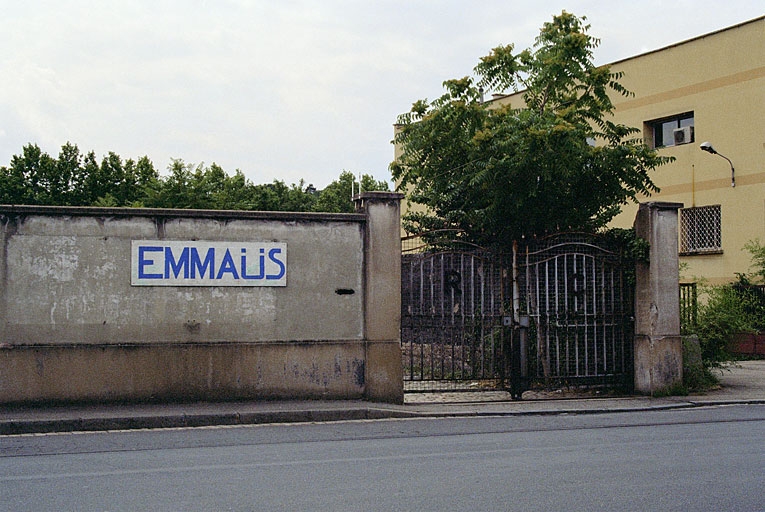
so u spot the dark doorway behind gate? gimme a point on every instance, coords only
(556, 312)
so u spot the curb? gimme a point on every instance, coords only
(48, 426)
(159, 421)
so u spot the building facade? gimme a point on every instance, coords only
(710, 89)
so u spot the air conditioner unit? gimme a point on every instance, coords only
(683, 135)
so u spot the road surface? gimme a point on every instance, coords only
(692, 459)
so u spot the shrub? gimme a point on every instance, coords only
(730, 310)
(723, 315)
(696, 376)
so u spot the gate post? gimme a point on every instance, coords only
(384, 375)
(658, 347)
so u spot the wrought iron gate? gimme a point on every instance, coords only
(578, 298)
(451, 324)
(557, 311)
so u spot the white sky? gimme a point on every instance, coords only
(280, 89)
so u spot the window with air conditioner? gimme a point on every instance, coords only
(670, 131)
(683, 135)
(701, 230)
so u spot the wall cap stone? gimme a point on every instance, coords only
(662, 205)
(93, 211)
(382, 195)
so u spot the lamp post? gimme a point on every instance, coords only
(707, 146)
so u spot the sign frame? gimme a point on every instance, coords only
(207, 263)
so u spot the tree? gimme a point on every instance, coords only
(71, 176)
(278, 196)
(229, 192)
(727, 311)
(34, 177)
(499, 173)
(336, 197)
(182, 188)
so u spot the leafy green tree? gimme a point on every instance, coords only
(71, 176)
(336, 197)
(34, 177)
(31, 179)
(14, 183)
(74, 179)
(722, 315)
(295, 198)
(90, 189)
(180, 189)
(278, 196)
(503, 172)
(229, 192)
(140, 178)
(729, 310)
(116, 182)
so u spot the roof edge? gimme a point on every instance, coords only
(686, 41)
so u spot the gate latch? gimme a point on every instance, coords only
(523, 321)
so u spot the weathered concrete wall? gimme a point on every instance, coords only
(382, 287)
(658, 349)
(68, 281)
(183, 371)
(73, 327)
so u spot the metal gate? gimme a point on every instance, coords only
(556, 312)
(451, 323)
(578, 298)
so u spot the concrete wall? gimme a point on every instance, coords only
(74, 328)
(658, 348)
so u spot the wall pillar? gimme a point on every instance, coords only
(658, 347)
(384, 379)
(6, 228)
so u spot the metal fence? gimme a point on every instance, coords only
(752, 298)
(451, 322)
(580, 305)
(557, 311)
(689, 307)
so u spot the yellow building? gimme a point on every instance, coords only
(707, 89)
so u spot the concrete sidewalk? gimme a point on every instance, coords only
(742, 384)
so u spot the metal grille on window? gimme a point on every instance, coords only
(701, 229)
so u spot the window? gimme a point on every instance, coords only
(670, 131)
(701, 230)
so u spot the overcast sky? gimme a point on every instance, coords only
(279, 89)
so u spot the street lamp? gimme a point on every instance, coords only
(707, 146)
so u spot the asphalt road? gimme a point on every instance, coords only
(691, 459)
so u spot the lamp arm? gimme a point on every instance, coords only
(732, 171)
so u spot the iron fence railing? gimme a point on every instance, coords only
(689, 307)
(558, 311)
(451, 318)
(574, 290)
(752, 297)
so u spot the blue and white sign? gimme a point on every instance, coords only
(165, 263)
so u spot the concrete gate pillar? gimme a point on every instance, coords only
(658, 347)
(384, 376)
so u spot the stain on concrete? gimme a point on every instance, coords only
(359, 372)
(192, 326)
